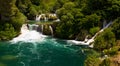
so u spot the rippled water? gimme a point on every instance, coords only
(48, 52)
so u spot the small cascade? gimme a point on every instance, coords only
(24, 28)
(42, 26)
(86, 38)
(88, 41)
(38, 17)
(33, 26)
(92, 39)
(77, 37)
(45, 18)
(41, 17)
(28, 35)
(104, 23)
(58, 20)
(51, 29)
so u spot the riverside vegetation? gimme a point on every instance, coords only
(79, 18)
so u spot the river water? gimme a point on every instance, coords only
(34, 49)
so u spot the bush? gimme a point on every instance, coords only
(94, 30)
(116, 28)
(92, 60)
(105, 40)
(8, 32)
(111, 51)
(105, 62)
(18, 20)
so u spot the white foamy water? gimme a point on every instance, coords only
(28, 35)
(88, 41)
(38, 17)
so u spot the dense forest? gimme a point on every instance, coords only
(79, 18)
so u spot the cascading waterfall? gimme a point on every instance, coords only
(104, 23)
(28, 35)
(42, 26)
(45, 18)
(86, 38)
(58, 20)
(33, 26)
(38, 17)
(51, 29)
(92, 39)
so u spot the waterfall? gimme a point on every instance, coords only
(28, 35)
(24, 28)
(33, 26)
(104, 23)
(86, 38)
(58, 20)
(51, 30)
(38, 17)
(45, 19)
(42, 26)
(92, 39)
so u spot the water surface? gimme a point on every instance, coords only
(48, 52)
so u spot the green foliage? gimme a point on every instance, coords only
(69, 25)
(111, 51)
(92, 60)
(73, 21)
(23, 5)
(90, 21)
(32, 12)
(105, 62)
(8, 32)
(69, 5)
(116, 28)
(7, 9)
(18, 20)
(94, 30)
(11, 19)
(105, 40)
(108, 9)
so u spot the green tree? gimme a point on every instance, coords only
(94, 30)
(105, 40)
(8, 32)
(90, 21)
(11, 19)
(68, 23)
(116, 28)
(108, 9)
(92, 59)
(17, 20)
(105, 62)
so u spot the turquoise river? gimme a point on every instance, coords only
(46, 51)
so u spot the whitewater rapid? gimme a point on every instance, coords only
(28, 35)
